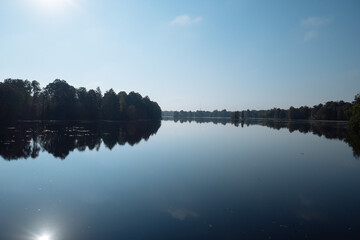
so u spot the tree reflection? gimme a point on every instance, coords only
(214, 120)
(327, 129)
(26, 140)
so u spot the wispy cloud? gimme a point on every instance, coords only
(185, 20)
(310, 35)
(312, 26)
(313, 22)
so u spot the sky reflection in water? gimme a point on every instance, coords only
(186, 181)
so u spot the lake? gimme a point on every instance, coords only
(204, 179)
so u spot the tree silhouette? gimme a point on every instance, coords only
(24, 100)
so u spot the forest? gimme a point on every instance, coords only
(25, 100)
(196, 114)
(332, 110)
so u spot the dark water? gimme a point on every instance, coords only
(265, 180)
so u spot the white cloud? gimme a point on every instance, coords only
(315, 22)
(310, 35)
(185, 20)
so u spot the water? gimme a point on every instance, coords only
(265, 180)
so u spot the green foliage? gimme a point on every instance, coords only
(330, 111)
(357, 98)
(199, 114)
(15, 99)
(110, 105)
(354, 123)
(24, 100)
(61, 99)
(235, 116)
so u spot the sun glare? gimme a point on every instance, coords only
(43, 237)
(53, 5)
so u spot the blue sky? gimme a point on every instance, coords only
(189, 54)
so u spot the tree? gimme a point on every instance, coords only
(354, 122)
(35, 87)
(82, 103)
(122, 104)
(110, 105)
(94, 102)
(356, 98)
(235, 116)
(291, 113)
(15, 99)
(21, 99)
(62, 100)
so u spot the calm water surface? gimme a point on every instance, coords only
(178, 181)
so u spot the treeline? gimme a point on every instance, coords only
(329, 111)
(339, 111)
(354, 122)
(25, 100)
(196, 114)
